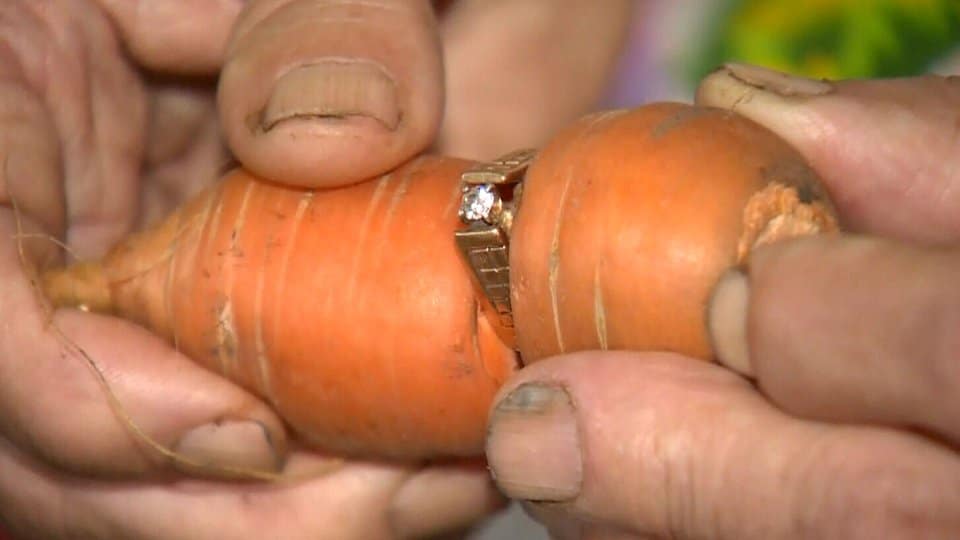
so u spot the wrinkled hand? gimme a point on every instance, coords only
(109, 117)
(850, 428)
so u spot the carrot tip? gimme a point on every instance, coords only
(83, 286)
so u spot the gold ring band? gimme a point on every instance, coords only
(491, 194)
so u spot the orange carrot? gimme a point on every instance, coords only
(628, 219)
(350, 311)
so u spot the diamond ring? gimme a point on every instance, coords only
(491, 193)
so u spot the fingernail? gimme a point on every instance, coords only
(435, 502)
(777, 82)
(533, 447)
(335, 89)
(756, 91)
(727, 321)
(235, 444)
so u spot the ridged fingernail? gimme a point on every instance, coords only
(235, 444)
(533, 447)
(760, 93)
(334, 89)
(727, 321)
(777, 82)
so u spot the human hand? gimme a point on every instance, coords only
(110, 118)
(849, 429)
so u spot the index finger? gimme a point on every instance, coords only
(888, 150)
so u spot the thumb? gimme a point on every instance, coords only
(887, 149)
(323, 93)
(664, 446)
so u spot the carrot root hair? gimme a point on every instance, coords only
(85, 286)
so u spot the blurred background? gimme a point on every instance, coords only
(674, 43)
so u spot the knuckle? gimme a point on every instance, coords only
(692, 488)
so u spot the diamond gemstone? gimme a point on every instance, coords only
(478, 202)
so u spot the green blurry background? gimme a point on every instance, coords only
(833, 38)
(674, 43)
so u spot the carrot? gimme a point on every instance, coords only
(628, 219)
(350, 311)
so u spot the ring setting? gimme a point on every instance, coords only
(490, 195)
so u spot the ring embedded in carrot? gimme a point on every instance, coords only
(350, 311)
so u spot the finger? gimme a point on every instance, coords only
(593, 532)
(347, 504)
(443, 499)
(556, 519)
(76, 71)
(561, 525)
(849, 329)
(175, 36)
(53, 405)
(354, 502)
(323, 92)
(673, 447)
(887, 149)
(506, 60)
(30, 171)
